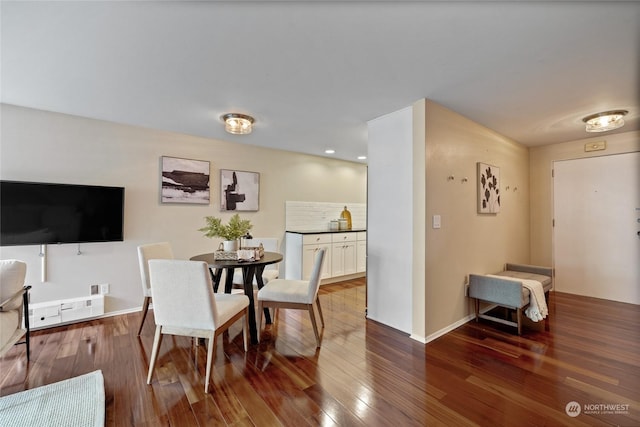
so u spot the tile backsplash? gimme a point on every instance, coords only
(303, 216)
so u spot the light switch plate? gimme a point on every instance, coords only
(436, 221)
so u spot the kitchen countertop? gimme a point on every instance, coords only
(353, 230)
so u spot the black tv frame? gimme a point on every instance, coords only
(68, 213)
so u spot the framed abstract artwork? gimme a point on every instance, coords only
(239, 190)
(184, 181)
(488, 189)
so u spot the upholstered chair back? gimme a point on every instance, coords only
(182, 294)
(151, 251)
(12, 275)
(314, 280)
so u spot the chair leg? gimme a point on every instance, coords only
(320, 311)
(145, 308)
(259, 325)
(211, 351)
(157, 340)
(314, 324)
(519, 319)
(245, 330)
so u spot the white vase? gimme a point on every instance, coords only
(230, 245)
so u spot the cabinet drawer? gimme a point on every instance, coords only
(312, 239)
(343, 237)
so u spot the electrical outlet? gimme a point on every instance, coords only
(94, 290)
(104, 288)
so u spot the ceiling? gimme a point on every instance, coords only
(313, 73)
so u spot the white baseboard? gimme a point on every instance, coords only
(451, 327)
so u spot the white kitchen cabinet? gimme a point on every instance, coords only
(341, 254)
(301, 254)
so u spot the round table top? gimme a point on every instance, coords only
(267, 258)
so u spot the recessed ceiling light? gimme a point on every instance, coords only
(362, 157)
(238, 124)
(330, 151)
(607, 120)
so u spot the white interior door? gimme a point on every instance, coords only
(596, 240)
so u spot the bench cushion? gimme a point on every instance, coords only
(545, 280)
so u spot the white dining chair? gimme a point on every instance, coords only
(185, 304)
(145, 253)
(294, 294)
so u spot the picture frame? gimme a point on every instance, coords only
(184, 181)
(239, 190)
(488, 188)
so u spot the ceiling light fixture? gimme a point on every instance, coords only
(238, 124)
(607, 120)
(329, 151)
(362, 157)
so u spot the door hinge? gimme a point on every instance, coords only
(553, 222)
(553, 174)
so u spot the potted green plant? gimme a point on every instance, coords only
(230, 232)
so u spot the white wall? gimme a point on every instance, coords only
(51, 147)
(390, 220)
(468, 242)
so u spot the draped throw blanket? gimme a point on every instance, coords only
(537, 309)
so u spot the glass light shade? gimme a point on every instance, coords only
(602, 122)
(238, 124)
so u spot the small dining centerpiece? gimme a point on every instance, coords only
(230, 232)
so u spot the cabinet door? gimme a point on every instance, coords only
(309, 257)
(337, 259)
(326, 266)
(349, 257)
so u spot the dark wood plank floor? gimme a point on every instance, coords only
(365, 374)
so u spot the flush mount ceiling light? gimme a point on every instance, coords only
(237, 124)
(607, 120)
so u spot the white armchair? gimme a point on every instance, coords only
(14, 306)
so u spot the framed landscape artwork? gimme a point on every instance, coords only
(185, 181)
(488, 189)
(239, 190)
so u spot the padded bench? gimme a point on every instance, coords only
(508, 292)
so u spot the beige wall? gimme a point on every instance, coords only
(51, 147)
(468, 242)
(540, 163)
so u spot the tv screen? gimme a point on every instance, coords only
(33, 213)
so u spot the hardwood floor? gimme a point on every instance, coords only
(365, 374)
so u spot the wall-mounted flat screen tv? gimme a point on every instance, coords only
(34, 213)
